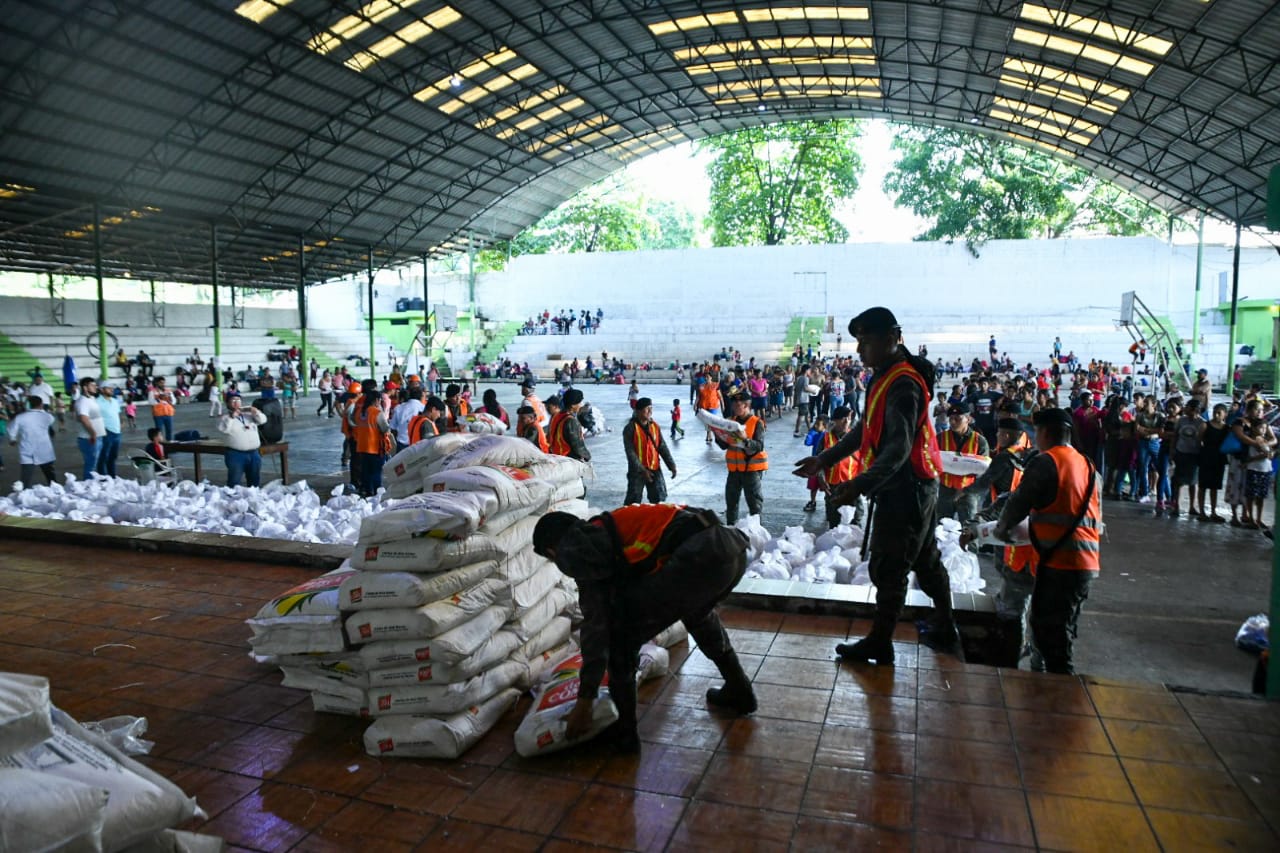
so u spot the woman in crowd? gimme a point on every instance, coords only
(1212, 464)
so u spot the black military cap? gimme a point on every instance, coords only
(873, 321)
(958, 409)
(1050, 417)
(1009, 423)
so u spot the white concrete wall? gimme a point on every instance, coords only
(19, 311)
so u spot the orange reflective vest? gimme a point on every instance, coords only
(947, 441)
(737, 460)
(709, 396)
(370, 439)
(556, 441)
(533, 432)
(539, 410)
(640, 528)
(925, 459)
(844, 470)
(646, 439)
(1057, 544)
(1018, 557)
(344, 410)
(420, 427)
(162, 408)
(451, 419)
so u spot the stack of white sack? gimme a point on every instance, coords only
(275, 511)
(444, 613)
(64, 787)
(835, 556)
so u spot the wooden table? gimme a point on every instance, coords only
(199, 448)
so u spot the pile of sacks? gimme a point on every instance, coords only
(66, 787)
(275, 511)
(443, 613)
(835, 556)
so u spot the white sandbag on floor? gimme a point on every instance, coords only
(418, 736)
(673, 635)
(329, 703)
(429, 620)
(424, 554)
(177, 841)
(316, 597)
(439, 699)
(319, 635)
(542, 731)
(24, 712)
(40, 811)
(402, 474)
(303, 619)
(141, 802)
(450, 647)
(381, 590)
(444, 515)
(314, 678)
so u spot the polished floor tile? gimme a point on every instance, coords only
(1072, 823)
(622, 818)
(989, 815)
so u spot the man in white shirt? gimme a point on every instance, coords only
(403, 413)
(89, 416)
(30, 430)
(243, 455)
(43, 390)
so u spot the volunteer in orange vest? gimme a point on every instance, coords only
(1015, 563)
(1059, 493)
(646, 453)
(709, 399)
(639, 569)
(960, 437)
(371, 435)
(564, 433)
(455, 408)
(162, 407)
(426, 424)
(527, 427)
(844, 470)
(531, 400)
(746, 461)
(900, 467)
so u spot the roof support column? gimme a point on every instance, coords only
(1235, 305)
(426, 319)
(102, 302)
(373, 360)
(1195, 316)
(213, 280)
(303, 370)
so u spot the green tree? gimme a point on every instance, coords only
(779, 183)
(975, 187)
(676, 227)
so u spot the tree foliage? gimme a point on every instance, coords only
(975, 188)
(779, 183)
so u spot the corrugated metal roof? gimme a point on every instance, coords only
(301, 120)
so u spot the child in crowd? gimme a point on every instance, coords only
(60, 411)
(289, 397)
(814, 440)
(675, 419)
(131, 413)
(155, 448)
(633, 394)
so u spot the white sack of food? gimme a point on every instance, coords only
(294, 639)
(314, 678)
(520, 566)
(450, 647)
(542, 731)
(424, 554)
(444, 515)
(501, 646)
(496, 524)
(317, 597)
(489, 450)
(329, 703)
(570, 491)
(517, 538)
(24, 711)
(532, 620)
(429, 620)
(531, 590)
(481, 423)
(509, 486)
(402, 474)
(727, 430)
(140, 801)
(178, 841)
(577, 506)
(422, 736)
(964, 464)
(1020, 534)
(40, 811)
(439, 699)
(672, 635)
(560, 469)
(380, 590)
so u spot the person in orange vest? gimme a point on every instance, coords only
(900, 466)
(1059, 494)
(709, 399)
(426, 424)
(371, 435)
(646, 453)
(564, 433)
(162, 407)
(639, 569)
(527, 427)
(746, 461)
(960, 437)
(531, 399)
(455, 408)
(1015, 563)
(844, 470)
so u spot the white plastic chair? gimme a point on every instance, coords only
(151, 469)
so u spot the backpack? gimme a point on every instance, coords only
(271, 432)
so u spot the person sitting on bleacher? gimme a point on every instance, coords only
(144, 362)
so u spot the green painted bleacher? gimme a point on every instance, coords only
(16, 363)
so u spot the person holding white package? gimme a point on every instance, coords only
(243, 456)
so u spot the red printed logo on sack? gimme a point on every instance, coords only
(566, 692)
(424, 673)
(423, 653)
(371, 553)
(400, 469)
(366, 631)
(545, 739)
(438, 487)
(357, 595)
(386, 745)
(384, 702)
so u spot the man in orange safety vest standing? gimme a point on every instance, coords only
(746, 460)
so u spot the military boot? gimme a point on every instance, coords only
(877, 646)
(736, 695)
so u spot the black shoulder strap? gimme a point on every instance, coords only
(1045, 553)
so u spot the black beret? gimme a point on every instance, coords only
(841, 412)
(572, 397)
(643, 403)
(433, 402)
(873, 320)
(525, 410)
(958, 409)
(1050, 417)
(1009, 423)
(452, 391)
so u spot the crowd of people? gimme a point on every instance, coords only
(563, 322)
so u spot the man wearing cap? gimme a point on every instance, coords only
(900, 467)
(1015, 563)
(1202, 390)
(959, 438)
(531, 400)
(527, 427)
(564, 434)
(371, 435)
(843, 471)
(1059, 493)
(646, 453)
(746, 460)
(454, 408)
(639, 569)
(404, 413)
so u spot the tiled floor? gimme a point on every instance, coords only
(932, 755)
